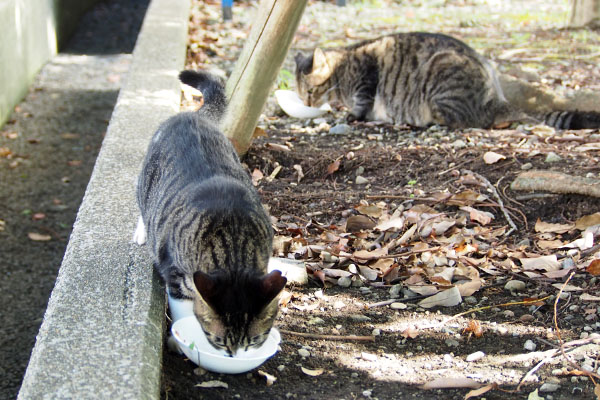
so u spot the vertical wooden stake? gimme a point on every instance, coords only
(257, 68)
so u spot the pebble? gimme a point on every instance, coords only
(527, 166)
(318, 121)
(398, 306)
(478, 355)
(549, 387)
(340, 129)
(367, 393)
(361, 180)
(529, 345)
(316, 321)
(280, 368)
(376, 332)
(514, 285)
(359, 318)
(552, 157)
(303, 353)
(448, 358)
(395, 291)
(508, 313)
(470, 300)
(344, 281)
(368, 356)
(452, 343)
(459, 144)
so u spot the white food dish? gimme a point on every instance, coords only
(180, 308)
(193, 343)
(292, 104)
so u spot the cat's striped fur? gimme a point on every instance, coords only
(417, 79)
(206, 228)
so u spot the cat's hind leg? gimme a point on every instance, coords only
(139, 236)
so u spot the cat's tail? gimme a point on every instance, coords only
(212, 89)
(573, 119)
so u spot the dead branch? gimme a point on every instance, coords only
(556, 182)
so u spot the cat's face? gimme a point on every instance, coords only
(237, 315)
(237, 332)
(313, 75)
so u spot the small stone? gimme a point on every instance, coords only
(552, 157)
(361, 180)
(354, 375)
(395, 291)
(557, 371)
(367, 393)
(502, 330)
(508, 313)
(527, 166)
(340, 129)
(398, 306)
(344, 281)
(514, 285)
(303, 353)
(459, 144)
(529, 345)
(368, 356)
(470, 300)
(452, 343)
(448, 358)
(359, 318)
(359, 171)
(199, 371)
(549, 387)
(318, 121)
(376, 332)
(316, 321)
(280, 368)
(478, 355)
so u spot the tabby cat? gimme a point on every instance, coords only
(417, 79)
(206, 228)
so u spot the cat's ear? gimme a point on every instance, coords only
(206, 285)
(321, 70)
(304, 63)
(271, 284)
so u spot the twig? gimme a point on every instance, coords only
(592, 375)
(408, 253)
(498, 199)
(329, 337)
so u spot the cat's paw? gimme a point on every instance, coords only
(139, 236)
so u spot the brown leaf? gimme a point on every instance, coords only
(356, 223)
(466, 198)
(258, 132)
(480, 391)
(312, 372)
(587, 221)
(38, 237)
(594, 267)
(372, 210)
(74, 163)
(5, 152)
(334, 166)
(364, 255)
(544, 227)
(38, 216)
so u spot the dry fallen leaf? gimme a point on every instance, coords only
(213, 384)
(312, 372)
(589, 297)
(446, 298)
(270, 378)
(547, 263)
(482, 217)
(450, 383)
(544, 227)
(356, 223)
(594, 267)
(410, 333)
(587, 220)
(480, 391)
(334, 166)
(490, 157)
(38, 237)
(257, 175)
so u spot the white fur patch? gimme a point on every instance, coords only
(139, 236)
(380, 111)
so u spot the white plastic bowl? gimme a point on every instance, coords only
(180, 308)
(292, 104)
(193, 343)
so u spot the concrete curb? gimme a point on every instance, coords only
(101, 337)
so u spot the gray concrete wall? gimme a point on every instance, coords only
(30, 29)
(101, 337)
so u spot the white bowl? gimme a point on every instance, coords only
(292, 104)
(193, 343)
(180, 308)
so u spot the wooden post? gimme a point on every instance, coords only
(585, 12)
(257, 68)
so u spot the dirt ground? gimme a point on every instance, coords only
(313, 195)
(307, 176)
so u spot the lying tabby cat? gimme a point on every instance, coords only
(208, 233)
(417, 79)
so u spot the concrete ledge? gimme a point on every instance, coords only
(101, 337)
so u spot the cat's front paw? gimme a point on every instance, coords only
(139, 236)
(353, 118)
